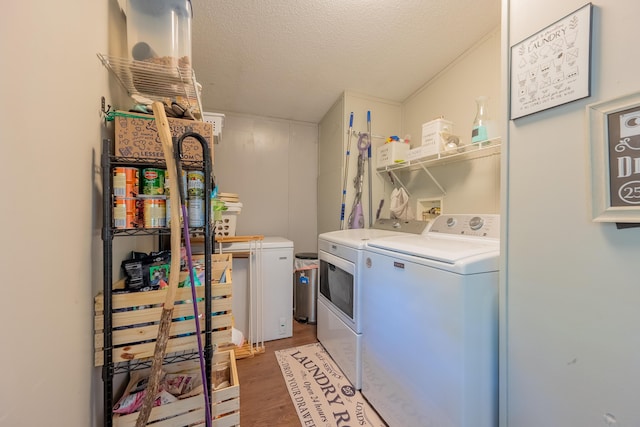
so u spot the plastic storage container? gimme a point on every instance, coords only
(305, 287)
(159, 31)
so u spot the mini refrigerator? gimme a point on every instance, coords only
(277, 273)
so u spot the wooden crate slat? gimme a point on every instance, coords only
(226, 407)
(145, 350)
(229, 420)
(137, 317)
(234, 388)
(152, 314)
(191, 410)
(183, 419)
(144, 333)
(222, 289)
(171, 410)
(137, 299)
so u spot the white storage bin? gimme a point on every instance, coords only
(226, 227)
(391, 153)
(432, 135)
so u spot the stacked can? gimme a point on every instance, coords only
(195, 195)
(152, 201)
(167, 192)
(126, 187)
(153, 181)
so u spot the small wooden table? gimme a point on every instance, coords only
(255, 338)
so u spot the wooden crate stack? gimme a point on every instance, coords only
(135, 318)
(190, 411)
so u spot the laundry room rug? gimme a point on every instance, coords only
(322, 395)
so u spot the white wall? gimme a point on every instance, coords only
(570, 338)
(331, 155)
(51, 252)
(473, 186)
(386, 120)
(50, 255)
(272, 165)
(333, 142)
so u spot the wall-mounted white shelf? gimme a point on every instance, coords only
(469, 152)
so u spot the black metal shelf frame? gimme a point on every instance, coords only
(109, 369)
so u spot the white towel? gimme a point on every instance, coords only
(400, 208)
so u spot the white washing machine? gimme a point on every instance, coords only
(340, 287)
(430, 324)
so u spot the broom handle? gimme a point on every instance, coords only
(174, 197)
(167, 310)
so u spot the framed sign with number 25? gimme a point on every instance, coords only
(614, 136)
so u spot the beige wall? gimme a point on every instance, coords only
(473, 186)
(333, 143)
(51, 253)
(453, 91)
(50, 256)
(272, 165)
(570, 325)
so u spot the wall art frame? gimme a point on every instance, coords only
(614, 141)
(553, 66)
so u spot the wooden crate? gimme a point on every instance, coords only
(135, 317)
(225, 410)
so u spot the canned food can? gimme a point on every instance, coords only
(125, 213)
(154, 211)
(152, 181)
(195, 184)
(126, 181)
(167, 183)
(196, 211)
(168, 209)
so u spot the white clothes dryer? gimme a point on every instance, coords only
(340, 287)
(430, 324)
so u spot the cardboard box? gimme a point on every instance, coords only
(432, 135)
(136, 135)
(391, 153)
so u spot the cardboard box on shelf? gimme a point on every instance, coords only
(136, 135)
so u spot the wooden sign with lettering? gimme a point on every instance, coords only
(614, 136)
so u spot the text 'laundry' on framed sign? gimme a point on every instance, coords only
(552, 67)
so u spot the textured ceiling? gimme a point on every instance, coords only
(292, 59)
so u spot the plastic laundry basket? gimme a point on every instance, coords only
(305, 287)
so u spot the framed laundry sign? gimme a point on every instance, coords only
(552, 67)
(614, 137)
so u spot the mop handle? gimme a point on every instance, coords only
(369, 171)
(187, 242)
(346, 172)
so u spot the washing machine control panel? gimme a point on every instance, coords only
(485, 225)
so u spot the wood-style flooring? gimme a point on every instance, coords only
(264, 398)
